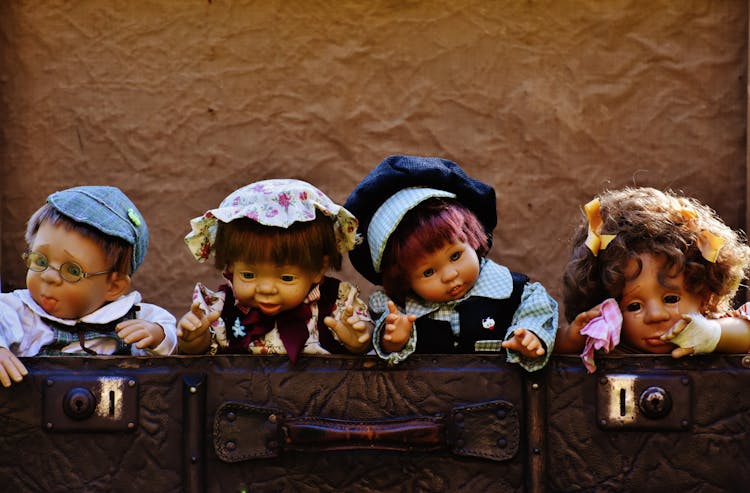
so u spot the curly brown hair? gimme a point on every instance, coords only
(649, 221)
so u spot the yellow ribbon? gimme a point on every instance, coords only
(596, 241)
(708, 243)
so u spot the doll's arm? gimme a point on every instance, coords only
(380, 307)
(569, 339)
(11, 368)
(142, 333)
(525, 342)
(202, 330)
(192, 330)
(351, 324)
(537, 313)
(351, 330)
(735, 335)
(152, 332)
(696, 334)
(398, 329)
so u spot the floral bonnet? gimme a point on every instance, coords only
(276, 202)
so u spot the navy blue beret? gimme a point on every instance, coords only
(396, 173)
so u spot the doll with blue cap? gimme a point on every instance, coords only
(274, 241)
(428, 229)
(84, 244)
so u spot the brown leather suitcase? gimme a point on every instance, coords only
(434, 423)
(649, 423)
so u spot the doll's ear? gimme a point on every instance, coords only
(117, 284)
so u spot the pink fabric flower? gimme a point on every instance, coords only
(602, 332)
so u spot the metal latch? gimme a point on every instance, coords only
(645, 402)
(95, 403)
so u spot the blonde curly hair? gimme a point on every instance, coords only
(648, 221)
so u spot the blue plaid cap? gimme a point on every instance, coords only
(108, 210)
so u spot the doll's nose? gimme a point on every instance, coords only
(266, 287)
(51, 275)
(449, 274)
(655, 312)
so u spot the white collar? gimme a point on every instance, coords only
(107, 313)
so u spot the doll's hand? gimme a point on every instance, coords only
(398, 327)
(192, 330)
(581, 321)
(673, 332)
(11, 368)
(525, 342)
(142, 333)
(694, 334)
(353, 332)
(569, 339)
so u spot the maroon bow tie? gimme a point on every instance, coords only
(291, 324)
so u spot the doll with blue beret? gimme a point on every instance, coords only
(84, 244)
(427, 229)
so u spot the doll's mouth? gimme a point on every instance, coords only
(657, 342)
(47, 303)
(456, 291)
(269, 308)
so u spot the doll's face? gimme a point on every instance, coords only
(446, 274)
(650, 307)
(270, 287)
(61, 298)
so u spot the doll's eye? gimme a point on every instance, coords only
(36, 261)
(287, 278)
(72, 269)
(247, 276)
(633, 307)
(428, 272)
(455, 256)
(672, 299)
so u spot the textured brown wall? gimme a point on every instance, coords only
(180, 102)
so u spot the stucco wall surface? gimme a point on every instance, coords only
(180, 102)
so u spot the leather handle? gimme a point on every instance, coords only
(244, 431)
(303, 433)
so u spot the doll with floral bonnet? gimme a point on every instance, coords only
(660, 271)
(274, 240)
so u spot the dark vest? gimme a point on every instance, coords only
(329, 293)
(436, 336)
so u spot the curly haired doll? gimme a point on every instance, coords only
(660, 271)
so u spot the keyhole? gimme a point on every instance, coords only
(655, 402)
(79, 403)
(111, 402)
(622, 402)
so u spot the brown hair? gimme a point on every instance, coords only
(649, 221)
(117, 251)
(423, 230)
(306, 244)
